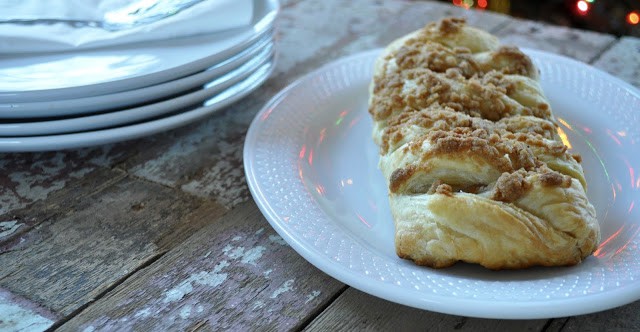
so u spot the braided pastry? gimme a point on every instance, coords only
(468, 144)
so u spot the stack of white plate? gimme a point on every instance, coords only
(75, 99)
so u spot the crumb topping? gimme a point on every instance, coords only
(451, 25)
(444, 189)
(434, 99)
(439, 187)
(510, 186)
(577, 157)
(555, 179)
(510, 60)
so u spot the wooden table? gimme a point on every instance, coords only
(162, 234)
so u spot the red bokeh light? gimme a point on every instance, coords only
(633, 18)
(582, 6)
(482, 3)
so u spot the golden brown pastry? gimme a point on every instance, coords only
(468, 144)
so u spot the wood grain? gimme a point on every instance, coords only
(30, 177)
(622, 60)
(358, 311)
(235, 274)
(89, 240)
(577, 44)
(348, 27)
(19, 314)
(18, 222)
(625, 318)
(204, 159)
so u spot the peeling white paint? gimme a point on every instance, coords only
(252, 255)
(277, 239)
(28, 189)
(312, 296)
(258, 232)
(246, 256)
(235, 253)
(47, 173)
(258, 305)
(237, 238)
(9, 201)
(222, 180)
(9, 227)
(143, 313)
(89, 328)
(156, 169)
(267, 272)
(80, 173)
(199, 309)
(16, 318)
(27, 181)
(185, 312)
(286, 287)
(207, 278)
(207, 254)
(105, 158)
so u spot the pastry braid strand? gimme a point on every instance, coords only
(469, 147)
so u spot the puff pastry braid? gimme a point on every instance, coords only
(469, 146)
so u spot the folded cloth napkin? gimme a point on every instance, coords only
(29, 26)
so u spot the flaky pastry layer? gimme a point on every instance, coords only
(469, 146)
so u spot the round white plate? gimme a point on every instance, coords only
(137, 114)
(311, 166)
(128, 132)
(53, 76)
(94, 104)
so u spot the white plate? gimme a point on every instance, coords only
(137, 114)
(111, 135)
(94, 104)
(43, 77)
(311, 166)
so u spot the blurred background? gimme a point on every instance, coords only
(618, 17)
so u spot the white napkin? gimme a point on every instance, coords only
(199, 17)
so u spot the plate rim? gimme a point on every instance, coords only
(433, 302)
(259, 27)
(136, 130)
(124, 116)
(26, 111)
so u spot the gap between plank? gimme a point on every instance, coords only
(604, 50)
(566, 320)
(322, 308)
(117, 283)
(547, 325)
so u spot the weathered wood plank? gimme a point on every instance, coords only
(31, 177)
(18, 222)
(340, 28)
(235, 274)
(622, 60)
(89, 240)
(18, 314)
(354, 310)
(579, 44)
(625, 318)
(204, 159)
